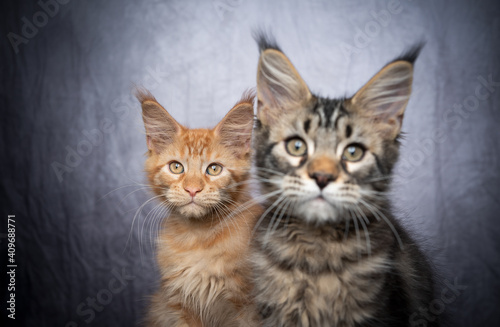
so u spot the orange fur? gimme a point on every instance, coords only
(203, 246)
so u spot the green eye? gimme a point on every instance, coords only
(296, 147)
(353, 153)
(214, 169)
(176, 168)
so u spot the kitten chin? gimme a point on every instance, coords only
(199, 207)
(193, 211)
(317, 206)
(319, 211)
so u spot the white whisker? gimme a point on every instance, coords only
(379, 215)
(365, 229)
(276, 202)
(356, 228)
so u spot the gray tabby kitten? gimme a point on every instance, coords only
(328, 252)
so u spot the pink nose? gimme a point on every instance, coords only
(192, 190)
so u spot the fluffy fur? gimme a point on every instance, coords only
(204, 244)
(327, 250)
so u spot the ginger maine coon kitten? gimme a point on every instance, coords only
(202, 250)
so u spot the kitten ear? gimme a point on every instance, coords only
(161, 128)
(235, 129)
(279, 86)
(384, 98)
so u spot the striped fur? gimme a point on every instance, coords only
(203, 246)
(327, 250)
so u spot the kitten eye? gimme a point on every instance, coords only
(296, 147)
(176, 168)
(214, 169)
(353, 153)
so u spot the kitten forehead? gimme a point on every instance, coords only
(329, 111)
(319, 122)
(197, 142)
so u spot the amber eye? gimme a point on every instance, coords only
(176, 168)
(214, 169)
(353, 152)
(296, 147)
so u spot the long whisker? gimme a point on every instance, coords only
(356, 228)
(167, 212)
(366, 220)
(379, 215)
(263, 169)
(253, 201)
(156, 222)
(365, 229)
(229, 210)
(226, 213)
(254, 180)
(294, 203)
(223, 220)
(152, 212)
(346, 231)
(271, 207)
(376, 179)
(271, 223)
(135, 217)
(126, 196)
(285, 208)
(121, 187)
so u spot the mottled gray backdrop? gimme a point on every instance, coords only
(72, 140)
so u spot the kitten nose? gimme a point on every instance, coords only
(322, 179)
(192, 190)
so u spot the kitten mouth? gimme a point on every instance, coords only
(319, 199)
(193, 204)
